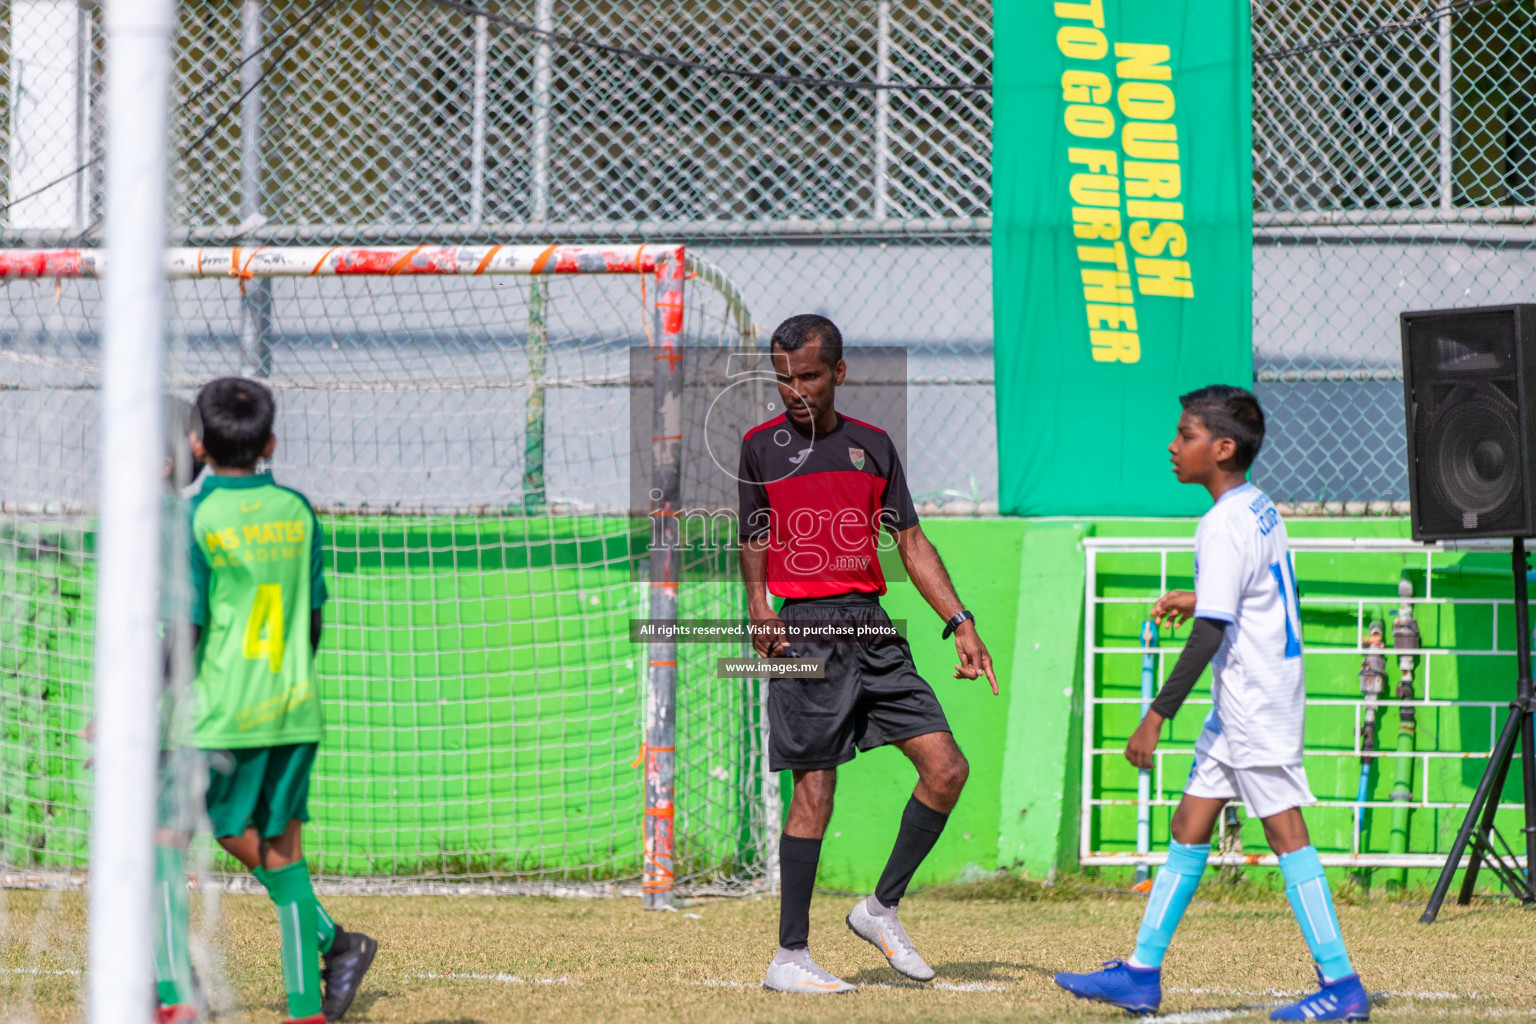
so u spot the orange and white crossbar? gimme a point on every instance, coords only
(666, 262)
(246, 262)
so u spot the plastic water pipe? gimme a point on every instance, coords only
(1405, 636)
(1373, 677)
(1144, 778)
(1478, 572)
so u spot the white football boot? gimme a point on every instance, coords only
(793, 970)
(881, 929)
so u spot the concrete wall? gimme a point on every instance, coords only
(1024, 581)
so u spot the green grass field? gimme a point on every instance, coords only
(470, 959)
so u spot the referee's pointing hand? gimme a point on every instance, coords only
(769, 637)
(974, 659)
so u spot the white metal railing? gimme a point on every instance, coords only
(1301, 548)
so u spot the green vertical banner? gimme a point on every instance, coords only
(1122, 212)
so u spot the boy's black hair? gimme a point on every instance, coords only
(1232, 413)
(804, 328)
(234, 418)
(179, 422)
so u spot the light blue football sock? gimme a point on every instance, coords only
(1306, 886)
(1172, 890)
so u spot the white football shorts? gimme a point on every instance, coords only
(1265, 792)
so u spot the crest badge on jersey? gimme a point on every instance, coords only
(856, 456)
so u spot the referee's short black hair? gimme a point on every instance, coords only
(234, 417)
(1232, 413)
(804, 328)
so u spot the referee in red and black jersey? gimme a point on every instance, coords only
(817, 490)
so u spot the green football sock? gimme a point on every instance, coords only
(326, 930)
(173, 964)
(292, 891)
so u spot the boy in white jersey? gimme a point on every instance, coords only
(1246, 626)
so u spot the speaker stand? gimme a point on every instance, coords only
(1477, 835)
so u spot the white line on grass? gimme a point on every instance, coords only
(1280, 993)
(944, 986)
(1267, 993)
(1212, 1016)
(66, 972)
(1493, 1014)
(505, 979)
(1199, 1016)
(1204, 1016)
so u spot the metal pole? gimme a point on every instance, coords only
(1373, 679)
(477, 125)
(255, 295)
(1492, 783)
(538, 289)
(666, 494)
(128, 669)
(82, 111)
(882, 108)
(1144, 778)
(1522, 566)
(1405, 636)
(1446, 100)
(1485, 800)
(543, 84)
(44, 79)
(1090, 634)
(533, 416)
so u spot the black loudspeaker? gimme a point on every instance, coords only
(1469, 380)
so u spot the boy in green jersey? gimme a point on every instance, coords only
(257, 592)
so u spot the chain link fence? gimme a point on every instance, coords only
(343, 121)
(1394, 168)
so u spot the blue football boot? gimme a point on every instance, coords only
(1345, 999)
(1134, 989)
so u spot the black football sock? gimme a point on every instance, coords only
(921, 827)
(797, 877)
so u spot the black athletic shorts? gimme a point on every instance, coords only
(872, 694)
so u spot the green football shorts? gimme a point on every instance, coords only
(260, 786)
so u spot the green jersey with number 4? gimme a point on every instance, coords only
(256, 576)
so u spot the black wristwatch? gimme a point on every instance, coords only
(954, 623)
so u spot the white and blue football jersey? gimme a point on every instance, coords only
(1244, 577)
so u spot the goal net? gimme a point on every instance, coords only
(459, 417)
